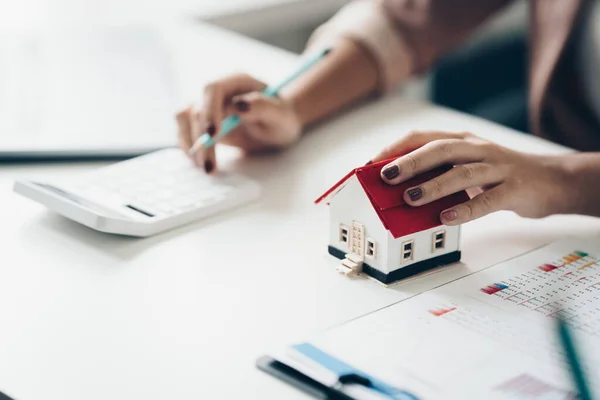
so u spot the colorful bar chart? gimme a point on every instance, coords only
(441, 311)
(584, 266)
(547, 267)
(566, 260)
(574, 256)
(570, 294)
(528, 387)
(495, 288)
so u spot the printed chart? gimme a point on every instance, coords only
(438, 312)
(568, 287)
(490, 335)
(516, 304)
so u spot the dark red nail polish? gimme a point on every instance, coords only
(449, 215)
(211, 129)
(391, 172)
(208, 166)
(415, 193)
(369, 162)
(242, 105)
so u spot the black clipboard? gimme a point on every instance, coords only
(300, 381)
(4, 397)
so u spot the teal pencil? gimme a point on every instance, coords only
(229, 123)
(575, 367)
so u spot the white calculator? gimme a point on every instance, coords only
(144, 195)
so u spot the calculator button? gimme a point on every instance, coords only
(166, 180)
(165, 184)
(144, 188)
(146, 202)
(164, 195)
(187, 208)
(222, 189)
(181, 202)
(165, 209)
(186, 189)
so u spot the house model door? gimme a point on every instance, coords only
(358, 238)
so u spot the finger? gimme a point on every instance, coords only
(210, 159)
(430, 156)
(485, 203)
(204, 157)
(219, 93)
(413, 141)
(461, 177)
(184, 129)
(242, 140)
(256, 108)
(198, 126)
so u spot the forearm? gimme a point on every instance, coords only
(346, 75)
(380, 43)
(583, 171)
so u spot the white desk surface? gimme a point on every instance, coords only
(184, 315)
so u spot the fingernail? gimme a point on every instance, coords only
(391, 172)
(242, 105)
(449, 215)
(369, 162)
(208, 166)
(415, 193)
(211, 129)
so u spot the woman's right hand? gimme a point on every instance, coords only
(267, 123)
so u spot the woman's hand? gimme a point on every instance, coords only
(266, 123)
(495, 177)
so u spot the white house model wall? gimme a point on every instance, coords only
(350, 205)
(423, 246)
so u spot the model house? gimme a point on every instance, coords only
(373, 231)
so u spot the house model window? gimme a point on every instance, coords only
(370, 248)
(439, 240)
(407, 251)
(343, 234)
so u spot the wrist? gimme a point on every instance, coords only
(291, 105)
(579, 181)
(345, 76)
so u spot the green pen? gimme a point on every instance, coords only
(233, 121)
(575, 367)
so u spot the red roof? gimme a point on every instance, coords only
(398, 217)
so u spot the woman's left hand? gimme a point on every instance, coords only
(495, 177)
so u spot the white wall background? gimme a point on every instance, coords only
(283, 23)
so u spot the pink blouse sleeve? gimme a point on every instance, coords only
(367, 23)
(405, 37)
